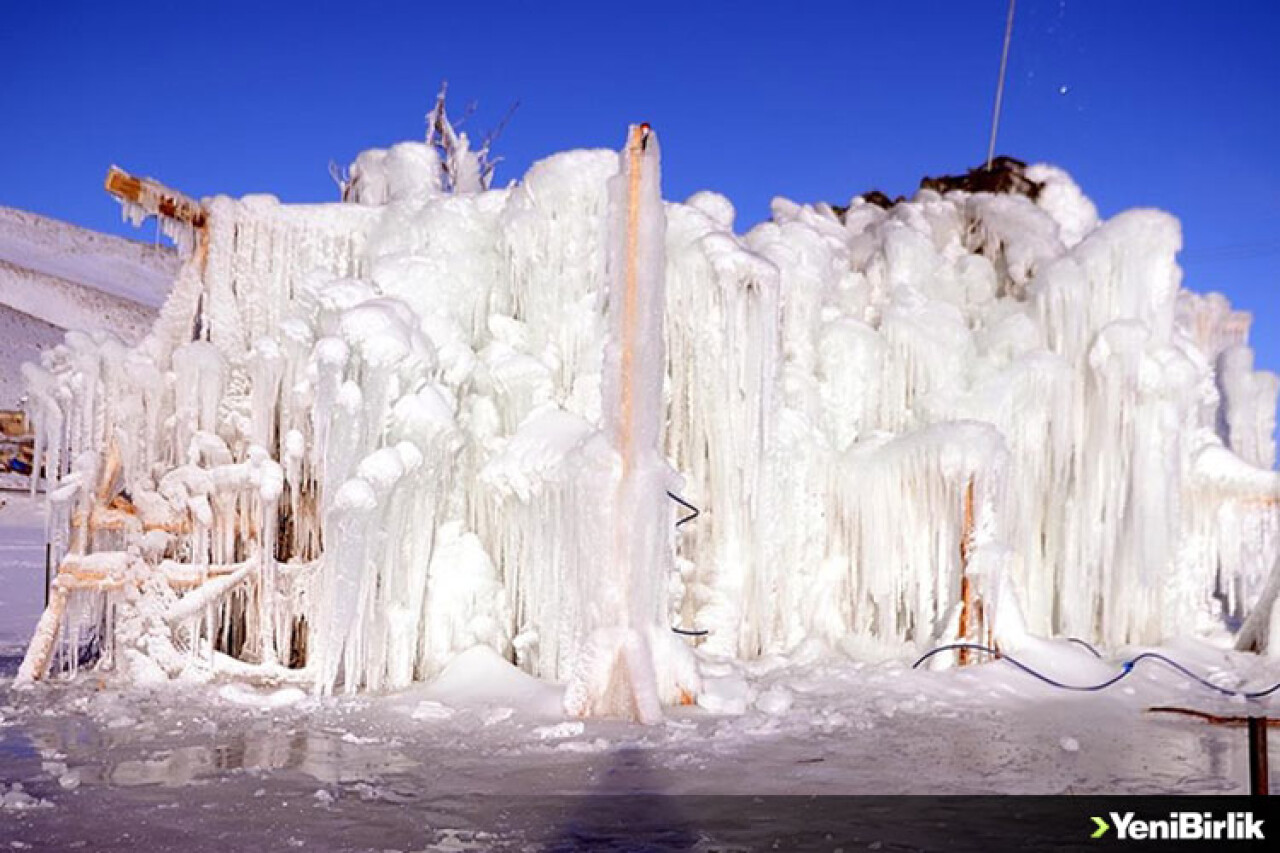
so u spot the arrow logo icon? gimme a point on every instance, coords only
(1103, 826)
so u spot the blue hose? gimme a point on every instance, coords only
(1125, 669)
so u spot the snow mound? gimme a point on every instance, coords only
(479, 677)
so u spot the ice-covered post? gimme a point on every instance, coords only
(966, 587)
(628, 666)
(637, 322)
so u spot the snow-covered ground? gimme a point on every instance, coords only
(21, 571)
(451, 765)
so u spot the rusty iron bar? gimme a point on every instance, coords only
(966, 587)
(631, 297)
(1212, 719)
(154, 197)
(1259, 783)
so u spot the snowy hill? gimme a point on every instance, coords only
(55, 276)
(22, 338)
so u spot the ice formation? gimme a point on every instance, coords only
(365, 437)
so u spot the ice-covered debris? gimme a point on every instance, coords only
(429, 710)
(727, 694)
(408, 171)
(1003, 175)
(14, 798)
(261, 699)
(775, 701)
(1063, 200)
(560, 731)
(492, 716)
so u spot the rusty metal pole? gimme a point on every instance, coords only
(1258, 781)
(631, 298)
(966, 590)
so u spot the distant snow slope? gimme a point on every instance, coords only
(56, 276)
(136, 271)
(22, 337)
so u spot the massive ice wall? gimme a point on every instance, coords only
(363, 437)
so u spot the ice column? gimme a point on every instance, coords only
(626, 642)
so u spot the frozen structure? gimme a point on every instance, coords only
(364, 437)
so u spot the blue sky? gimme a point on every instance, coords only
(1168, 104)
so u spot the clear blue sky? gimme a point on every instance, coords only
(1171, 104)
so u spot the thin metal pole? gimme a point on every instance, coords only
(48, 556)
(966, 588)
(1004, 63)
(1258, 781)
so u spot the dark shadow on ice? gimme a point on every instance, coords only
(627, 812)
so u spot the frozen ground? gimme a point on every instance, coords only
(454, 765)
(21, 570)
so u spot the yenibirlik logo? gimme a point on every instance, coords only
(1182, 826)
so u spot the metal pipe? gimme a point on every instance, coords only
(1004, 63)
(1258, 774)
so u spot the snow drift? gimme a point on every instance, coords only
(362, 438)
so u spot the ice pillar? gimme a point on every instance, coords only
(628, 661)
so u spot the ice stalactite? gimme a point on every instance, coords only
(1248, 406)
(1230, 527)
(723, 359)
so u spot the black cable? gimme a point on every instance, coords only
(694, 512)
(1125, 669)
(1079, 642)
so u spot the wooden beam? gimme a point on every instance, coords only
(154, 197)
(82, 571)
(35, 664)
